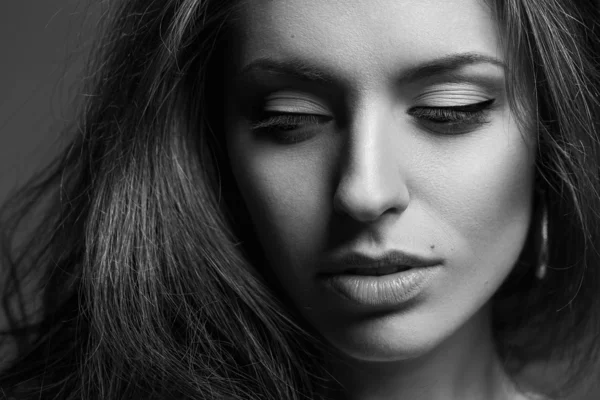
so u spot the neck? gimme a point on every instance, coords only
(465, 366)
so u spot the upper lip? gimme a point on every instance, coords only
(345, 262)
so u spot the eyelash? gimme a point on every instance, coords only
(282, 127)
(469, 114)
(449, 120)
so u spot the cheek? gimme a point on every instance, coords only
(492, 195)
(288, 194)
(484, 203)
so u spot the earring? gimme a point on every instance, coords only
(542, 266)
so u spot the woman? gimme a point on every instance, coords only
(310, 199)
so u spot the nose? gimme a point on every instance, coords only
(371, 181)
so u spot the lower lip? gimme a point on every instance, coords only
(384, 290)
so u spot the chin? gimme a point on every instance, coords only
(384, 341)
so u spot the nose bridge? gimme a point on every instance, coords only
(371, 180)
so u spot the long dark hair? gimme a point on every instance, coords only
(141, 276)
(556, 45)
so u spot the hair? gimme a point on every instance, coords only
(555, 44)
(143, 277)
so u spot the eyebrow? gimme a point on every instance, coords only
(303, 70)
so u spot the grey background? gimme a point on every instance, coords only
(42, 47)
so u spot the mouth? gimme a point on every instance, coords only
(387, 280)
(392, 262)
(374, 271)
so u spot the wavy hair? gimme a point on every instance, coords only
(555, 44)
(143, 279)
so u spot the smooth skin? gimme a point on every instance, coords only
(339, 142)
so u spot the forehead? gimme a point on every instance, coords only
(359, 36)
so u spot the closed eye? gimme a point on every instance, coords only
(288, 121)
(453, 117)
(289, 127)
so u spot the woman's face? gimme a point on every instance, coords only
(384, 172)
